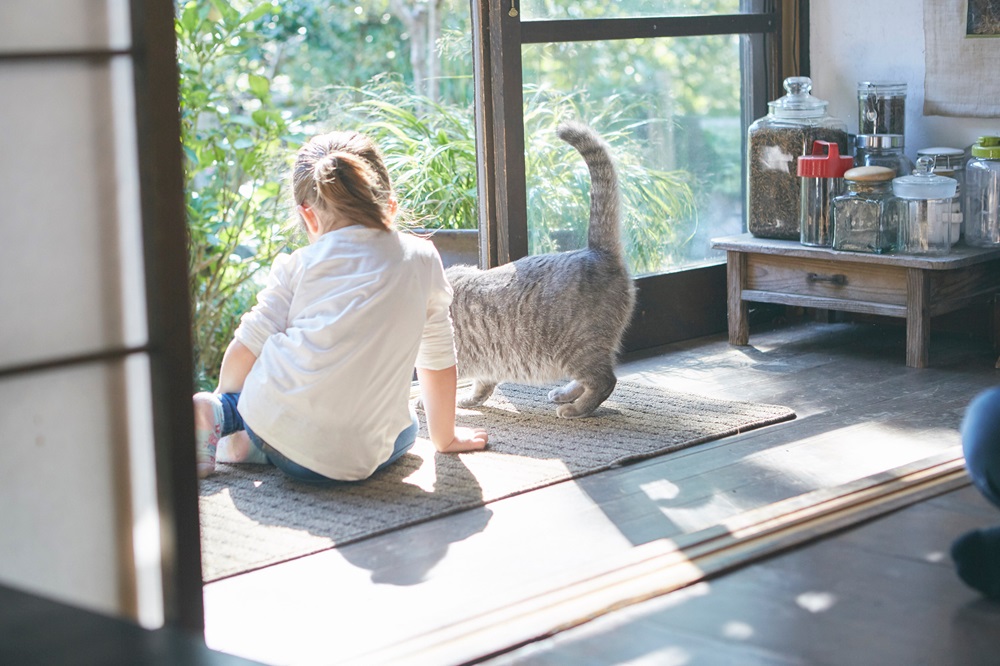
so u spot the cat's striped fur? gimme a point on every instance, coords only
(552, 317)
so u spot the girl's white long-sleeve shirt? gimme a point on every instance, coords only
(337, 332)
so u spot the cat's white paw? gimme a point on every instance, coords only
(567, 393)
(571, 411)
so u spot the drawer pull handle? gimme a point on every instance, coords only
(838, 279)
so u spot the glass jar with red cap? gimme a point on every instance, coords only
(822, 176)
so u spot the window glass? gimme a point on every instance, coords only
(670, 108)
(560, 9)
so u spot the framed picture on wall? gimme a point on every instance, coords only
(983, 18)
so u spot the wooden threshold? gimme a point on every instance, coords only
(666, 565)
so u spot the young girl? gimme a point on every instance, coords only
(317, 378)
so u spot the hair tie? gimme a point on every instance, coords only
(325, 171)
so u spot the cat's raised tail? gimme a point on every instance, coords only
(604, 233)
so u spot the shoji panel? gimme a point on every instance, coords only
(77, 475)
(66, 262)
(61, 25)
(63, 444)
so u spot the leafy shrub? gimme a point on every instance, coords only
(236, 140)
(430, 150)
(429, 147)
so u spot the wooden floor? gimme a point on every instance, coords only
(883, 593)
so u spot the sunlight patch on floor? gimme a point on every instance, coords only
(737, 631)
(425, 476)
(846, 454)
(720, 507)
(816, 602)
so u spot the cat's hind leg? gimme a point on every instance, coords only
(596, 389)
(482, 389)
(567, 393)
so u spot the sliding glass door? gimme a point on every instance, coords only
(672, 87)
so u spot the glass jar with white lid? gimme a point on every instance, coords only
(922, 206)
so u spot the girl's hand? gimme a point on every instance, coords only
(466, 439)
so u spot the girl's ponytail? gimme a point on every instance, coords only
(342, 176)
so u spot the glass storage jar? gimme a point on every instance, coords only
(922, 206)
(950, 162)
(882, 150)
(860, 219)
(822, 176)
(774, 145)
(881, 107)
(982, 193)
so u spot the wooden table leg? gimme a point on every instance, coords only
(739, 326)
(918, 319)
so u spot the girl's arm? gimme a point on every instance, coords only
(439, 392)
(267, 317)
(236, 364)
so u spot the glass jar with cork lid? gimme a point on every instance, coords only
(861, 222)
(774, 145)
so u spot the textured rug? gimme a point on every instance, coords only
(252, 516)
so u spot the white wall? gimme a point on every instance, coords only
(863, 40)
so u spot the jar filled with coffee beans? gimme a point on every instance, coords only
(774, 145)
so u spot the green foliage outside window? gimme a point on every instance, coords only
(257, 79)
(235, 140)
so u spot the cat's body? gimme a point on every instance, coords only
(551, 317)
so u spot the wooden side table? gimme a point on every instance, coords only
(896, 285)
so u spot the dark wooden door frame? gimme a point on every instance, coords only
(164, 229)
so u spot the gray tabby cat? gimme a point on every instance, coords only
(551, 317)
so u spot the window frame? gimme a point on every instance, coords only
(671, 306)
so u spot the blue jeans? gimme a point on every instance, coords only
(981, 443)
(232, 422)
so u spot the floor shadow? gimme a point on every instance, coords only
(409, 563)
(311, 519)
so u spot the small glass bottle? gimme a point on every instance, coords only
(881, 107)
(982, 193)
(922, 206)
(822, 177)
(860, 219)
(950, 162)
(882, 150)
(774, 145)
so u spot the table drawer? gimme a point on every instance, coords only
(842, 280)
